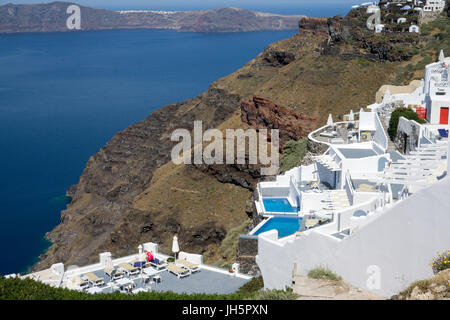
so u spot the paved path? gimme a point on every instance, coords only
(391, 145)
(320, 289)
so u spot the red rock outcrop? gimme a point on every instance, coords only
(313, 25)
(261, 113)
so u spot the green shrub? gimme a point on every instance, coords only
(293, 154)
(27, 289)
(323, 273)
(254, 285)
(396, 114)
(171, 259)
(441, 262)
(287, 294)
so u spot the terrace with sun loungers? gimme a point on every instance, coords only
(148, 270)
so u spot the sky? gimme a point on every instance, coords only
(198, 4)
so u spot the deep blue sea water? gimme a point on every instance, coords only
(64, 95)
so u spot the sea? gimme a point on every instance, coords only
(64, 95)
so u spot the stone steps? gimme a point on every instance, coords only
(391, 144)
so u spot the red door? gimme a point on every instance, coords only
(444, 116)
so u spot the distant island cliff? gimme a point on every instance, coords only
(53, 17)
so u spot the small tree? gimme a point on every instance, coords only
(395, 116)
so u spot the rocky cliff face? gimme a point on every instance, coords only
(122, 170)
(52, 17)
(262, 113)
(350, 37)
(130, 191)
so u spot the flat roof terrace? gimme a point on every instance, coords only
(205, 281)
(350, 153)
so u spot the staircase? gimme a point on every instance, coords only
(391, 145)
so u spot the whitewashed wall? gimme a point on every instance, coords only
(400, 242)
(380, 136)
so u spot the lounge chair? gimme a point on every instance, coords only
(178, 271)
(113, 274)
(311, 223)
(129, 269)
(138, 263)
(188, 265)
(82, 283)
(94, 279)
(157, 264)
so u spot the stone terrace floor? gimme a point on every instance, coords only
(204, 281)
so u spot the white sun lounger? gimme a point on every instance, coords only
(162, 265)
(188, 265)
(81, 283)
(94, 279)
(178, 271)
(129, 269)
(113, 274)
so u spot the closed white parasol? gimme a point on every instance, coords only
(175, 247)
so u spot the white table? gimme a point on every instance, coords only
(123, 281)
(151, 272)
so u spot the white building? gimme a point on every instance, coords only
(434, 6)
(414, 28)
(437, 91)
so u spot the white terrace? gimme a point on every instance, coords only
(188, 274)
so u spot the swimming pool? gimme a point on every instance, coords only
(278, 205)
(285, 226)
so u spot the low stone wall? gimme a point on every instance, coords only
(247, 251)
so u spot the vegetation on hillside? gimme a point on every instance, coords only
(395, 116)
(435, 36)
(254, 285)
(27, 289)
(293, 153)
(227, 251)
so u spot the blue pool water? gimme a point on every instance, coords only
(278, 205)
(285, 226)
